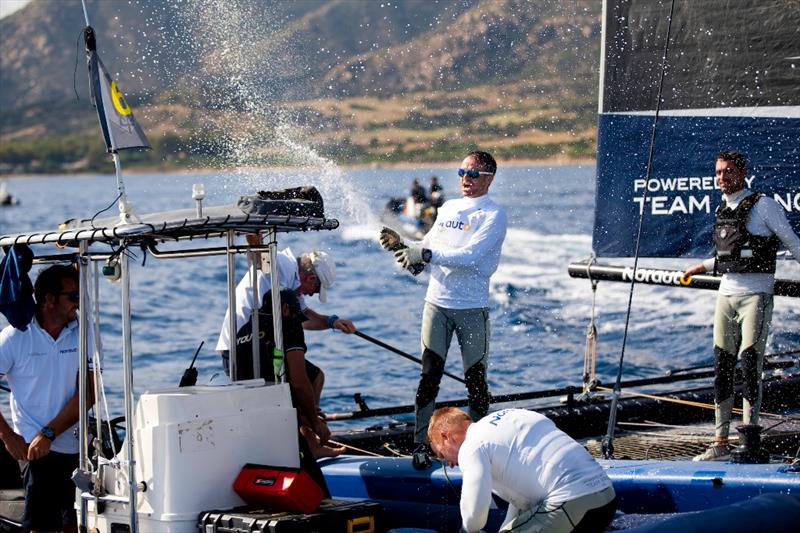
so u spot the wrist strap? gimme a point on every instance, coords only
(331, 320)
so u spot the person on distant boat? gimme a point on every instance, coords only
(749, 227)
(302, 375)
(436, 198)
(550, 481)
(418, 193)
(41, 365)
(463, 250)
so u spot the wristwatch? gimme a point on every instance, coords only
(48, 432)
(426, 255)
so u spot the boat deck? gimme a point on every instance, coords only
(652, 440)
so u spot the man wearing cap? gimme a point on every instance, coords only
(463, 251)
(311, 273)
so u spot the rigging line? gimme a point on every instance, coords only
(343, 445)
(608, 440)
(75, 70)
(590, 344)
(449, 482)
(690, 403)
(386, 446)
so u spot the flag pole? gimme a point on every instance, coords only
(126, 214)
(85, 13)
(120, 130)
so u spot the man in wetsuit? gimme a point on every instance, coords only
(550, 481)
(749, 227)
(463, 251)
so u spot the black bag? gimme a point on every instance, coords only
(299, 201)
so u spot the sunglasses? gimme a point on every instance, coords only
(74, 296)
(472, 173)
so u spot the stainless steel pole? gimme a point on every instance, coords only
(256, 336)
(127, 370)
(232, 307)
(83, 353)
(278, 363)
(98, 481)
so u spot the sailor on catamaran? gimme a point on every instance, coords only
(748, 229)
(550, 481)
(463, 248)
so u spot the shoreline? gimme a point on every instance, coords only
(138, 171)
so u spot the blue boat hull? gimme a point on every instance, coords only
(429, 499)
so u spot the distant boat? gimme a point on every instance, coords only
(413, 216)
(6, 198)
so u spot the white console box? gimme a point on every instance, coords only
(190, 444)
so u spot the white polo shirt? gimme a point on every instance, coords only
(288, 278)
(42, 373)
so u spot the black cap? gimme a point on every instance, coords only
(288, 297)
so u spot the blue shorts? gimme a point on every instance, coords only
(49, 492)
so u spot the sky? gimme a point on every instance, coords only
(9, 6)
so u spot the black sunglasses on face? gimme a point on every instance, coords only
(74, 296)
(472, 173)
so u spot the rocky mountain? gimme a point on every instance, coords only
(202, 68)
(304, 49)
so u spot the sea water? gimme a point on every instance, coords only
(539, 315)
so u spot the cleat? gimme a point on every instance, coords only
(421, 458)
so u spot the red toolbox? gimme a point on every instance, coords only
(279, 488)
(332, 516)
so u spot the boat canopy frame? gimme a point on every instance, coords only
(147, 232)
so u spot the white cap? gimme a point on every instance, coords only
(325, 269)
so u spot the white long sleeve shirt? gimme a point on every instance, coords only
(766, 218)
(465, 244)
(288, 278)
(526, 460)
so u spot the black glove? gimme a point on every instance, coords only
(390, 240)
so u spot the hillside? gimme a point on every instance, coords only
(245, 82)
